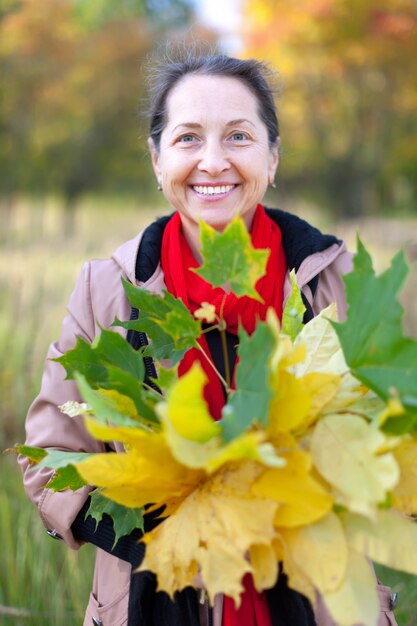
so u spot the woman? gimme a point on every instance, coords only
(214, 143)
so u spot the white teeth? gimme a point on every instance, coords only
(213, 190)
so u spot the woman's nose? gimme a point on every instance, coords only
(213, 159)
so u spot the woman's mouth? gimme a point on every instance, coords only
(213, 190)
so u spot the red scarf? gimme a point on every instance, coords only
(176, 260)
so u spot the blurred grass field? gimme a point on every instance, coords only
(42, 582)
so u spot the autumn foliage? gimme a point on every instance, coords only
(349, 103)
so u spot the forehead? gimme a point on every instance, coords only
(198, 98)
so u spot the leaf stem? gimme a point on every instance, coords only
(149, 388)
(222, 329)
(209, 328)
(225, 356)
(214, 367)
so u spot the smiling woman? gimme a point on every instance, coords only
(214, 142)
(214, 159)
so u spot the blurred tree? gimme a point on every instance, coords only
(350, 106)
(74, 75)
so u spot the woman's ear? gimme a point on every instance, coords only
(273, 160)
(155, 160)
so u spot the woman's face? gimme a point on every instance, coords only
(214, 160)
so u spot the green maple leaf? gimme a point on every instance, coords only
(109, 405)
(35, 455)
(249, 404)
(58, 459)
(372, 337)
(82, 358)
(166, 320)
(293, 314)
(66, 475)
(230, 259)
(110, 362)
(66, 478)
(124, 519)
(93, 360)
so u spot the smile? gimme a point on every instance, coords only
(213, 190)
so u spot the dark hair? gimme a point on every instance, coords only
(254, 74)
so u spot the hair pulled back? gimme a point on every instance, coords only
(251, 72)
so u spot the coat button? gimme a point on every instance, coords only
(97, 622)
(52, 532)
(393, 601)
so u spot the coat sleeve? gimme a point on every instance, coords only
(331, 287)
(47, 427)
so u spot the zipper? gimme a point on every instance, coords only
(204, 609)
(138, 340)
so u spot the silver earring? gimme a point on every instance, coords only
(273, 185)
(159, 188)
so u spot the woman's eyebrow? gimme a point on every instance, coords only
(236, 122)
(239, 121)
(187, 125)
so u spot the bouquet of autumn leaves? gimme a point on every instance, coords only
(313, 464)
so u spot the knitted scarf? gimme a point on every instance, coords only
(177, 260)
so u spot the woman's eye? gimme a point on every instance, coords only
(239, 137)
(186, 139)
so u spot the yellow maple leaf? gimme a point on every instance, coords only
(319, 551)
(388, 540)
(123, 404)
(187, 410)
(206, 312)
(214, 529)
(298, 401)
(405, 492)
(290, 405)
(146, 473)
(346, 452)
(264, 565)
(137, 437)
(325, 355)
(301, 498)
(356, 599)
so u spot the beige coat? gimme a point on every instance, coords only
(97, 299)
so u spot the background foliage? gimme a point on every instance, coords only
(349, 111)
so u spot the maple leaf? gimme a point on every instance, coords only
(109, 362)
(147, 472)
(221, 521)
(405, 492)
(372, 337)
(249, 403)
(110, 405)
(206, 312)
(66, 478)
(92, 360)
(356, 600)
(124, 519)
(324, 355)
(347, 452)
(230, 259)
(195, 439)
(165, 319)
(319, 550)
(31, 452)
(292, 316)
(191, 419)
(389, 539)
(73, 408)
(301, 498)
